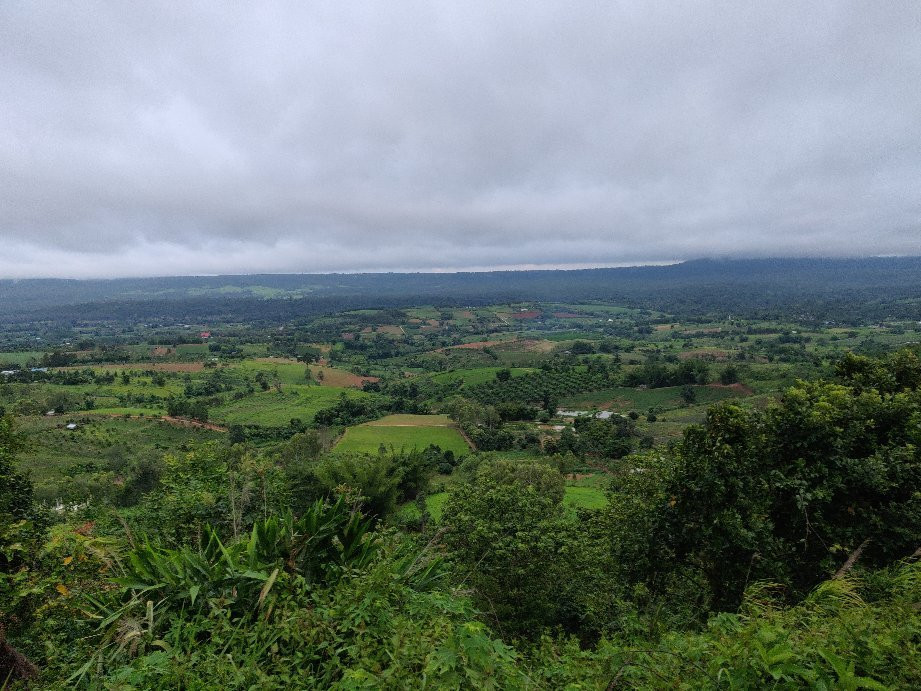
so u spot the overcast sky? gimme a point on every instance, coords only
(188, 138)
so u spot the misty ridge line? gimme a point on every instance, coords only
(886, 285)
(706, 263)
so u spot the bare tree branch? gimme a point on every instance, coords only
(851, 560)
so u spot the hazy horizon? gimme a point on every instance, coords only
(715, 261)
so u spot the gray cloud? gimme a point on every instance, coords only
(145, 138)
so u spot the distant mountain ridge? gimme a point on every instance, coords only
(710, 283)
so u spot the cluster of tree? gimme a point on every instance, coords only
(195, 408)
(825, 478)
(486, 427)
(547, 385)
(216, 382)
(351, 411)
(655, 373)
(58, 401)
(594, 437)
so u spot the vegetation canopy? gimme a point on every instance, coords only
(551, 488)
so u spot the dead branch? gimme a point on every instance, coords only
(851, 560)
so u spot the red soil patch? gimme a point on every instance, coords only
(338, 377)
(534, 346)
(183, 422)
(86, 528)
(465, 314)
(143, 366)
(433, 322)
(522, 315)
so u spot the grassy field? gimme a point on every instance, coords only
(475, 376)
(404, 432)
(585, 493)
(408, 420)
(116, 410)
(292, 372)
(284, 370)
(434, 504)
(273, 409)
(20, 358)
(623, 398)
(192, 349)
(71, 464)
(584, 498)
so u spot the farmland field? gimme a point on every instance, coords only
(576, 496)
(276, 409)
(477, 375)
(65, 464)
(404, 432)
(20, 358)
(624, 398)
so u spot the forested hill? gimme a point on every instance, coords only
(824, 288)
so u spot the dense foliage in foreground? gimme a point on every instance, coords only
(773, 547)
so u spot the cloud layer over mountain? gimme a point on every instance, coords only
(150, 139)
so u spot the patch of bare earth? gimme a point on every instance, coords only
(184, 422)
(337, 377)
(144, 366)
(534, 346)
(476, 345)
(169, 419)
